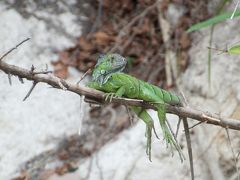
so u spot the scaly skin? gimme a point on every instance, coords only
(107, 77)
(128, 86)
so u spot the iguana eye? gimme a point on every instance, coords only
(102, 71)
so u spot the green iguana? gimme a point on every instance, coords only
(107, 76)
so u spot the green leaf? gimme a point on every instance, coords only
(213, 21)
(234, 49)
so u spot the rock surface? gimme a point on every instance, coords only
(31, 127)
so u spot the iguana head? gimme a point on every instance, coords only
(106, 66)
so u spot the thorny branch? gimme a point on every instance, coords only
(98, 96)
(95, 96)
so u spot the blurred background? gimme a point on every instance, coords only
(40, 137)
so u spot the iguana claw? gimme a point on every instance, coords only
(148, 135)
(110, 96)
(154, 130)
(149, 128)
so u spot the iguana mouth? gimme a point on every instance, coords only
(103, 78)
(113, 64)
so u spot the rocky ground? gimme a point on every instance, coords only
(40, 135)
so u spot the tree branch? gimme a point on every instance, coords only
(98, 96)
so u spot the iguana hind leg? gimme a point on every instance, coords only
(142, 114)
(167, 134)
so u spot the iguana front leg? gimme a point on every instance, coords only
(111, 95)
(142, 114)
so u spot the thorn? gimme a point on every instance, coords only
(9, 79)
(32, 69)
(30, 91)
(20, 79)
(83, 76)
(197, 124)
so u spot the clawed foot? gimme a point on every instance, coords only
(171, 141)
(168, 137)
(152, 127)
(148, 134)
(109, 96)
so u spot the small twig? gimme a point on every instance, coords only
(127, 26)
(127, 43)
(30, 91)
(238, 156)
(9, 51)
(235, 9)
(221, 51)
(189, 146)
(97, 22)
(184, 97)
(191, 127)
(83, 76)
(234, 157)
(188, 137)
(130, 117)
(178, 126)
(184, 103)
